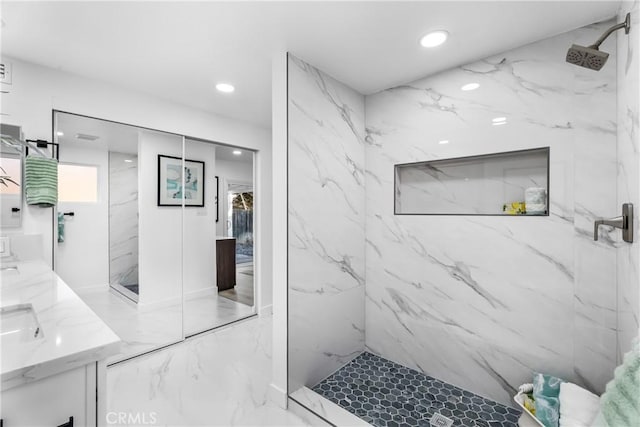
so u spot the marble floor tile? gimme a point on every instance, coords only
(243, 292)
(220, 378)
(207, 311)
(144, 330)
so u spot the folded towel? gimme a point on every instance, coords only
(621, 401)
(41, 181)
(578, 407)
(599, 420)
(546, 389)
(60, 227)
(535, 208)
(535, 195)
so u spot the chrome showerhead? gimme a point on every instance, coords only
(587, 57)
(591, 57)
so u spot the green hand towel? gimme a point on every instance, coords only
(41, 181)
(621, 400)
(546, 392)
(60, 227)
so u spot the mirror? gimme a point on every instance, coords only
(153, 241)
(114, 246)
(218, 257)
(11, 188)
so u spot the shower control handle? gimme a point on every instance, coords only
(624, 222)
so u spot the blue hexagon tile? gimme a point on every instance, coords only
(387, 394)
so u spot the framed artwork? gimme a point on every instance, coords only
(170, 182)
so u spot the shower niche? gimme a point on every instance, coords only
(512, 183)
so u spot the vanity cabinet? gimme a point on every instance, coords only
(48, 377)
(51, 401)
(225, 263)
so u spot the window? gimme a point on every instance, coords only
(77, 183)
(11, 175)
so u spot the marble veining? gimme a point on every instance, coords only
(218, 378)
(628, 173)
(481, 302)
(123, 218)
(144, 330)
(326, 408)
(326, 224)
(73, 335)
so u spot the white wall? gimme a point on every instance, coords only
(37, 90)
(230, 171)
(160, 227)
(82, 260)
(279, 388)
(199, 227)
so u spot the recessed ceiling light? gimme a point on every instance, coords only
(60, 133)
(225, 87)
(128, 161)
(444, 141)
(499, 119)
(470, 86)
(499, 123)
(434, 38)
(237, 152)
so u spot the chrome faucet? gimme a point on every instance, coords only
(624, 222)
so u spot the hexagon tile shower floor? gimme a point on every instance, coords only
(387, 394)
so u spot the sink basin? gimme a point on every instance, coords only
(19, 324)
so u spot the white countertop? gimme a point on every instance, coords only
(73, 334)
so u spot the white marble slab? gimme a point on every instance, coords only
(144, 330)
(482, 302)
(219, 378)
(73, 335)
(628, 268)
(326, 409)
(326, 224)
(123, 218)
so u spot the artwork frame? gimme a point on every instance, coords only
(170, 182)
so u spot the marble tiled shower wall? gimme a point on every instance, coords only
(123, 218)
(477, 301)
(326, 224)
(628, 177)
(481, 302)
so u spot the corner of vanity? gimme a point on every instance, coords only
(53, 351)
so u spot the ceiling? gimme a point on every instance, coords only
(179, 50)
(226, 153)
(121, 138)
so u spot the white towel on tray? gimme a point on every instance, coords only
(578, 407)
